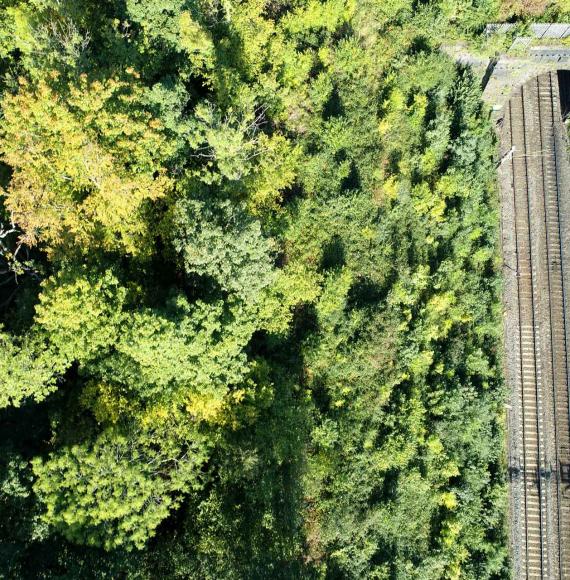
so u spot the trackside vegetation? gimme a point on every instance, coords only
(249, 295)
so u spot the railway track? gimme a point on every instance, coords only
(534, 553)
(550, 115)
(536, 331)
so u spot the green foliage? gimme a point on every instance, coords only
(116, 490)
(28, 370)
(197, 349)
(256, 331)
(172, 23)
(470, 15)
(225, 244)
(80, 314)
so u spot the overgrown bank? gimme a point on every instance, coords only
(255, 330)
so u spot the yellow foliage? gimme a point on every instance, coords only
(420, 364)
(255, 32)
(22, 33)
(242, 405)
(80, 171)
(275, 172)
(193, 37)
(429, 204)
(454, 570)
(395, 453)
(418, 110)
(196, 41)
(105, 402)
(293, 285)
(428, 162)
(441, 315)
(327, 15)
(450, 470)
(334, 294)
(449, 500)
(450, 531)
(390, 188)
(205, 407)
(435, 445)
(239, 395)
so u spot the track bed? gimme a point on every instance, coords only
(533, 172)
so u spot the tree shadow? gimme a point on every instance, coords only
(334, 255)
(333, 107)
(246, 523)
(352, 181)
(364, 293)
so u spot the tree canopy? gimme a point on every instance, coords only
(249, 294)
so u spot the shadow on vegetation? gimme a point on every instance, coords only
(365, 293)
(334, 255)
(420, 44)
(333, 107)
(249, 510)
(352, 181)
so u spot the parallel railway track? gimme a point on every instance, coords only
(538, 369)
(534, 555)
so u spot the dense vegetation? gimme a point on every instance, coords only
(249, 318)
(546, 10)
